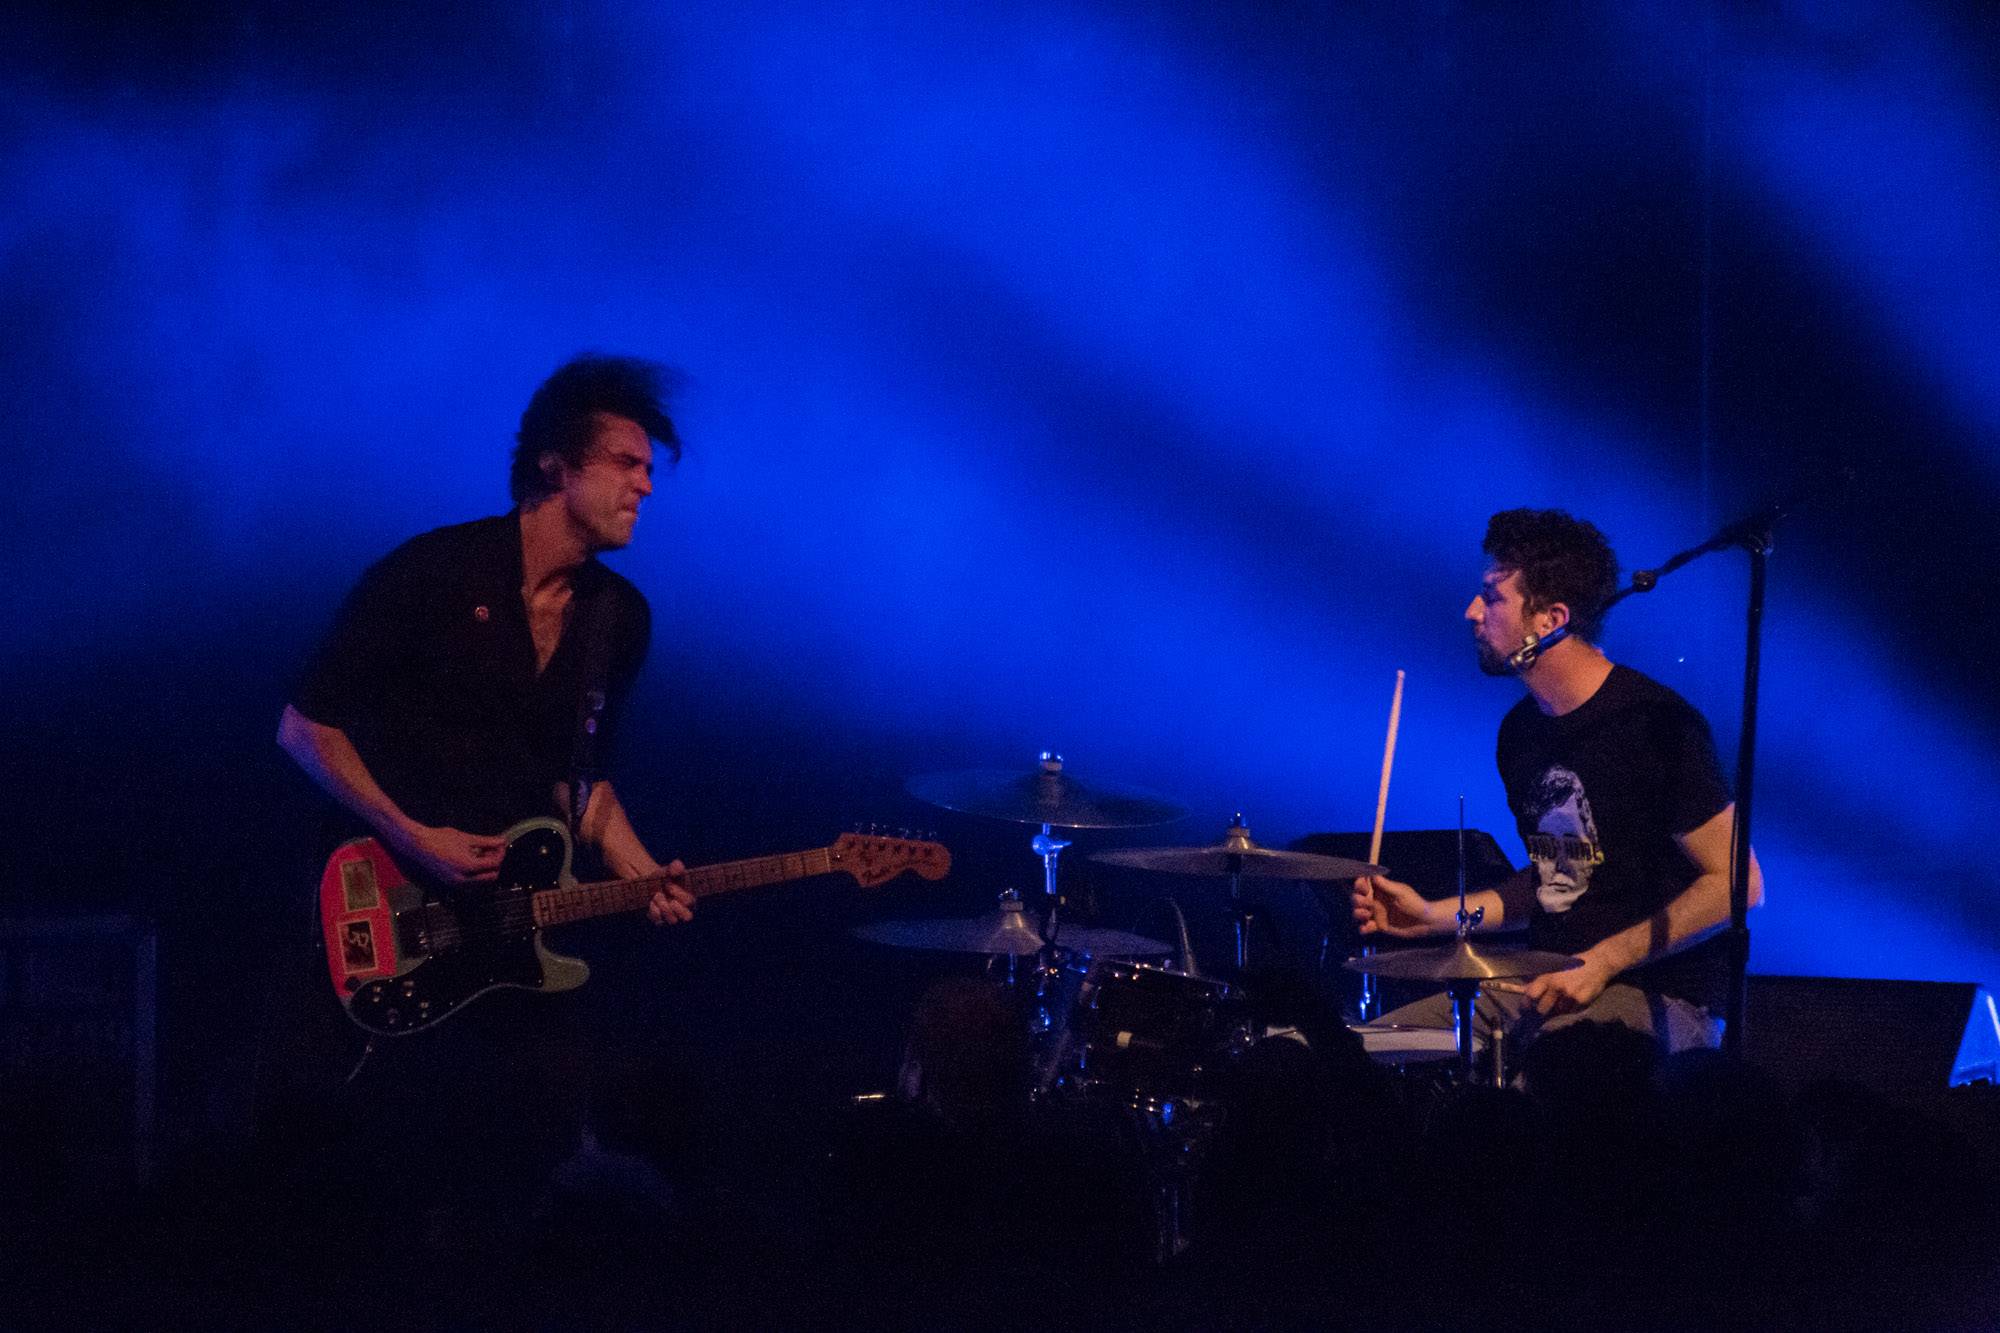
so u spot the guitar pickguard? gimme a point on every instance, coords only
(404, 958)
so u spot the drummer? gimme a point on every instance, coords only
(1616, 789)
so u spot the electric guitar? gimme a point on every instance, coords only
(404, 958)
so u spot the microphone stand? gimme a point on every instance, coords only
(1753, 534)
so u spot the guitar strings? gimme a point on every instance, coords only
(446, 925)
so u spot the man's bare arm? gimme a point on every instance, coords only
(330, 759)
(606, 827)
(1390, 907)
(1694, 913)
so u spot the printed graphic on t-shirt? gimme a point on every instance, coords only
(1564, 844)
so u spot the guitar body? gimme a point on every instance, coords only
(405, 957)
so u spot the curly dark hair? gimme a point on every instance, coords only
(1560, 559)
(559, 418)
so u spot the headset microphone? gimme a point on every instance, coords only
(1524, 657)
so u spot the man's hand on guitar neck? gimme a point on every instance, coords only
(446, 854)
(674, 905)
(671, 904)
(606, 827)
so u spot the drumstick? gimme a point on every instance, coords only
(1388, 762)
(1369, 1003)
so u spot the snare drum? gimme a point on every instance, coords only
(1138, 1034)
(1400, 1044)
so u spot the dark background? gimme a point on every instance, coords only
(1133, 380)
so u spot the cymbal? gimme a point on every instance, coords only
(1104, 942)
(1007, 930)
(995, 933)
(1046, 796)
(1463, 960)
(1237, 855)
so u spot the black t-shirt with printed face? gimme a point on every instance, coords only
(1599, 795)
(430, 670)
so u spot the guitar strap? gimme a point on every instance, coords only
(595, 624)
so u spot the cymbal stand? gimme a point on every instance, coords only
(1238, 835)
(1010, 904)
(1048, 963)
(1049, 847)
(1464, 991)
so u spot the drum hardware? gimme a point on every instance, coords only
(1462, 966)
(1048, 796)
(1173, 1138)
(1237, 855)
(1052, 799)
(1147, 1045)
(1008, 932)
(1235, 858)
(1144, 1036)
(1140, 1043)
(1464, 960)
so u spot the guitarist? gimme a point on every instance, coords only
(475, 677)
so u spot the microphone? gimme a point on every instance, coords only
(1524, 657)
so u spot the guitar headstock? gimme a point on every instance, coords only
(874, 858)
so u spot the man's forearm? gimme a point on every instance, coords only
(1505, 906)
(1692, 915)
(1695, 911)
(606, 828)
(330, 759)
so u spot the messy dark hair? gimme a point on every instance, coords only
(561, 417)
(1560, 559)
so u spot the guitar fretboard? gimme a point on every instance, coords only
(553, 907)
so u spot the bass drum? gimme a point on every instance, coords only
(1136, 1034)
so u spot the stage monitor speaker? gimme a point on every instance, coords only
(1891, 1036)
(77, 1050)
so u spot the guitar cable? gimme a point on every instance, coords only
(352, 1074)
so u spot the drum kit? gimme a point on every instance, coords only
(1122, 1020)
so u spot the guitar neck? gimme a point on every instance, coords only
(580, 902)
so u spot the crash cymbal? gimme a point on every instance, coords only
(1237, 855)
(1046, 796)
(1463, 960)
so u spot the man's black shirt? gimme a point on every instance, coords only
(430, 671)
(1599, 795)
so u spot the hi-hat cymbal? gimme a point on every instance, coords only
(1237, 855)
(1463, 960)
(1046, 796)
(1008, 930)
